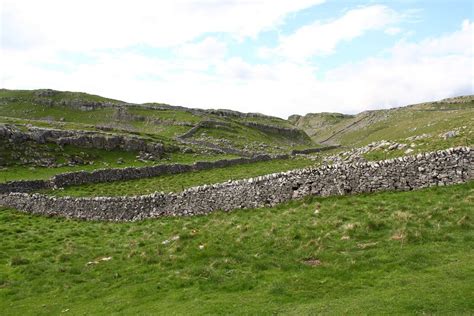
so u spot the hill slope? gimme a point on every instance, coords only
(47, 129)
(250, 132)
(393, 124)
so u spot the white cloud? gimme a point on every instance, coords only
(322, 38)
(208, 48)
(393, 30)
(90, 24)
(412, 72)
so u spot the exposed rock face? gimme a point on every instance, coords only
(294, 133)
(43, 93)
(201, 112)
(81, 139)
(444, 167)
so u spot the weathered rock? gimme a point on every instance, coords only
(81, 139)
(449, 134)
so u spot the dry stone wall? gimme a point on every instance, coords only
(120, 174)
(24, 186)
(313, 150)
(406, 173)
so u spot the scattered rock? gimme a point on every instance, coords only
(450, 134)
(312, 262)
(98, 261)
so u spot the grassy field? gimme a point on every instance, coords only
(179, 182)
(386, 253)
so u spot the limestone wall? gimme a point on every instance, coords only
(313, 150)
(120, 174)
(24, 186)
(407, 173)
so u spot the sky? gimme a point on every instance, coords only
(277, 57)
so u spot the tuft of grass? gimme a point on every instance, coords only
(18, 261)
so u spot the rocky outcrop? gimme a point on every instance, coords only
(81, 139)
(293, 133)
(444, 167)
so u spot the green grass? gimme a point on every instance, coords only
(179, 182)
(386, 253)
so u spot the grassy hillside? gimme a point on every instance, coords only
(393, 124)
(159, 122)
(387, 253)
(52, 95)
